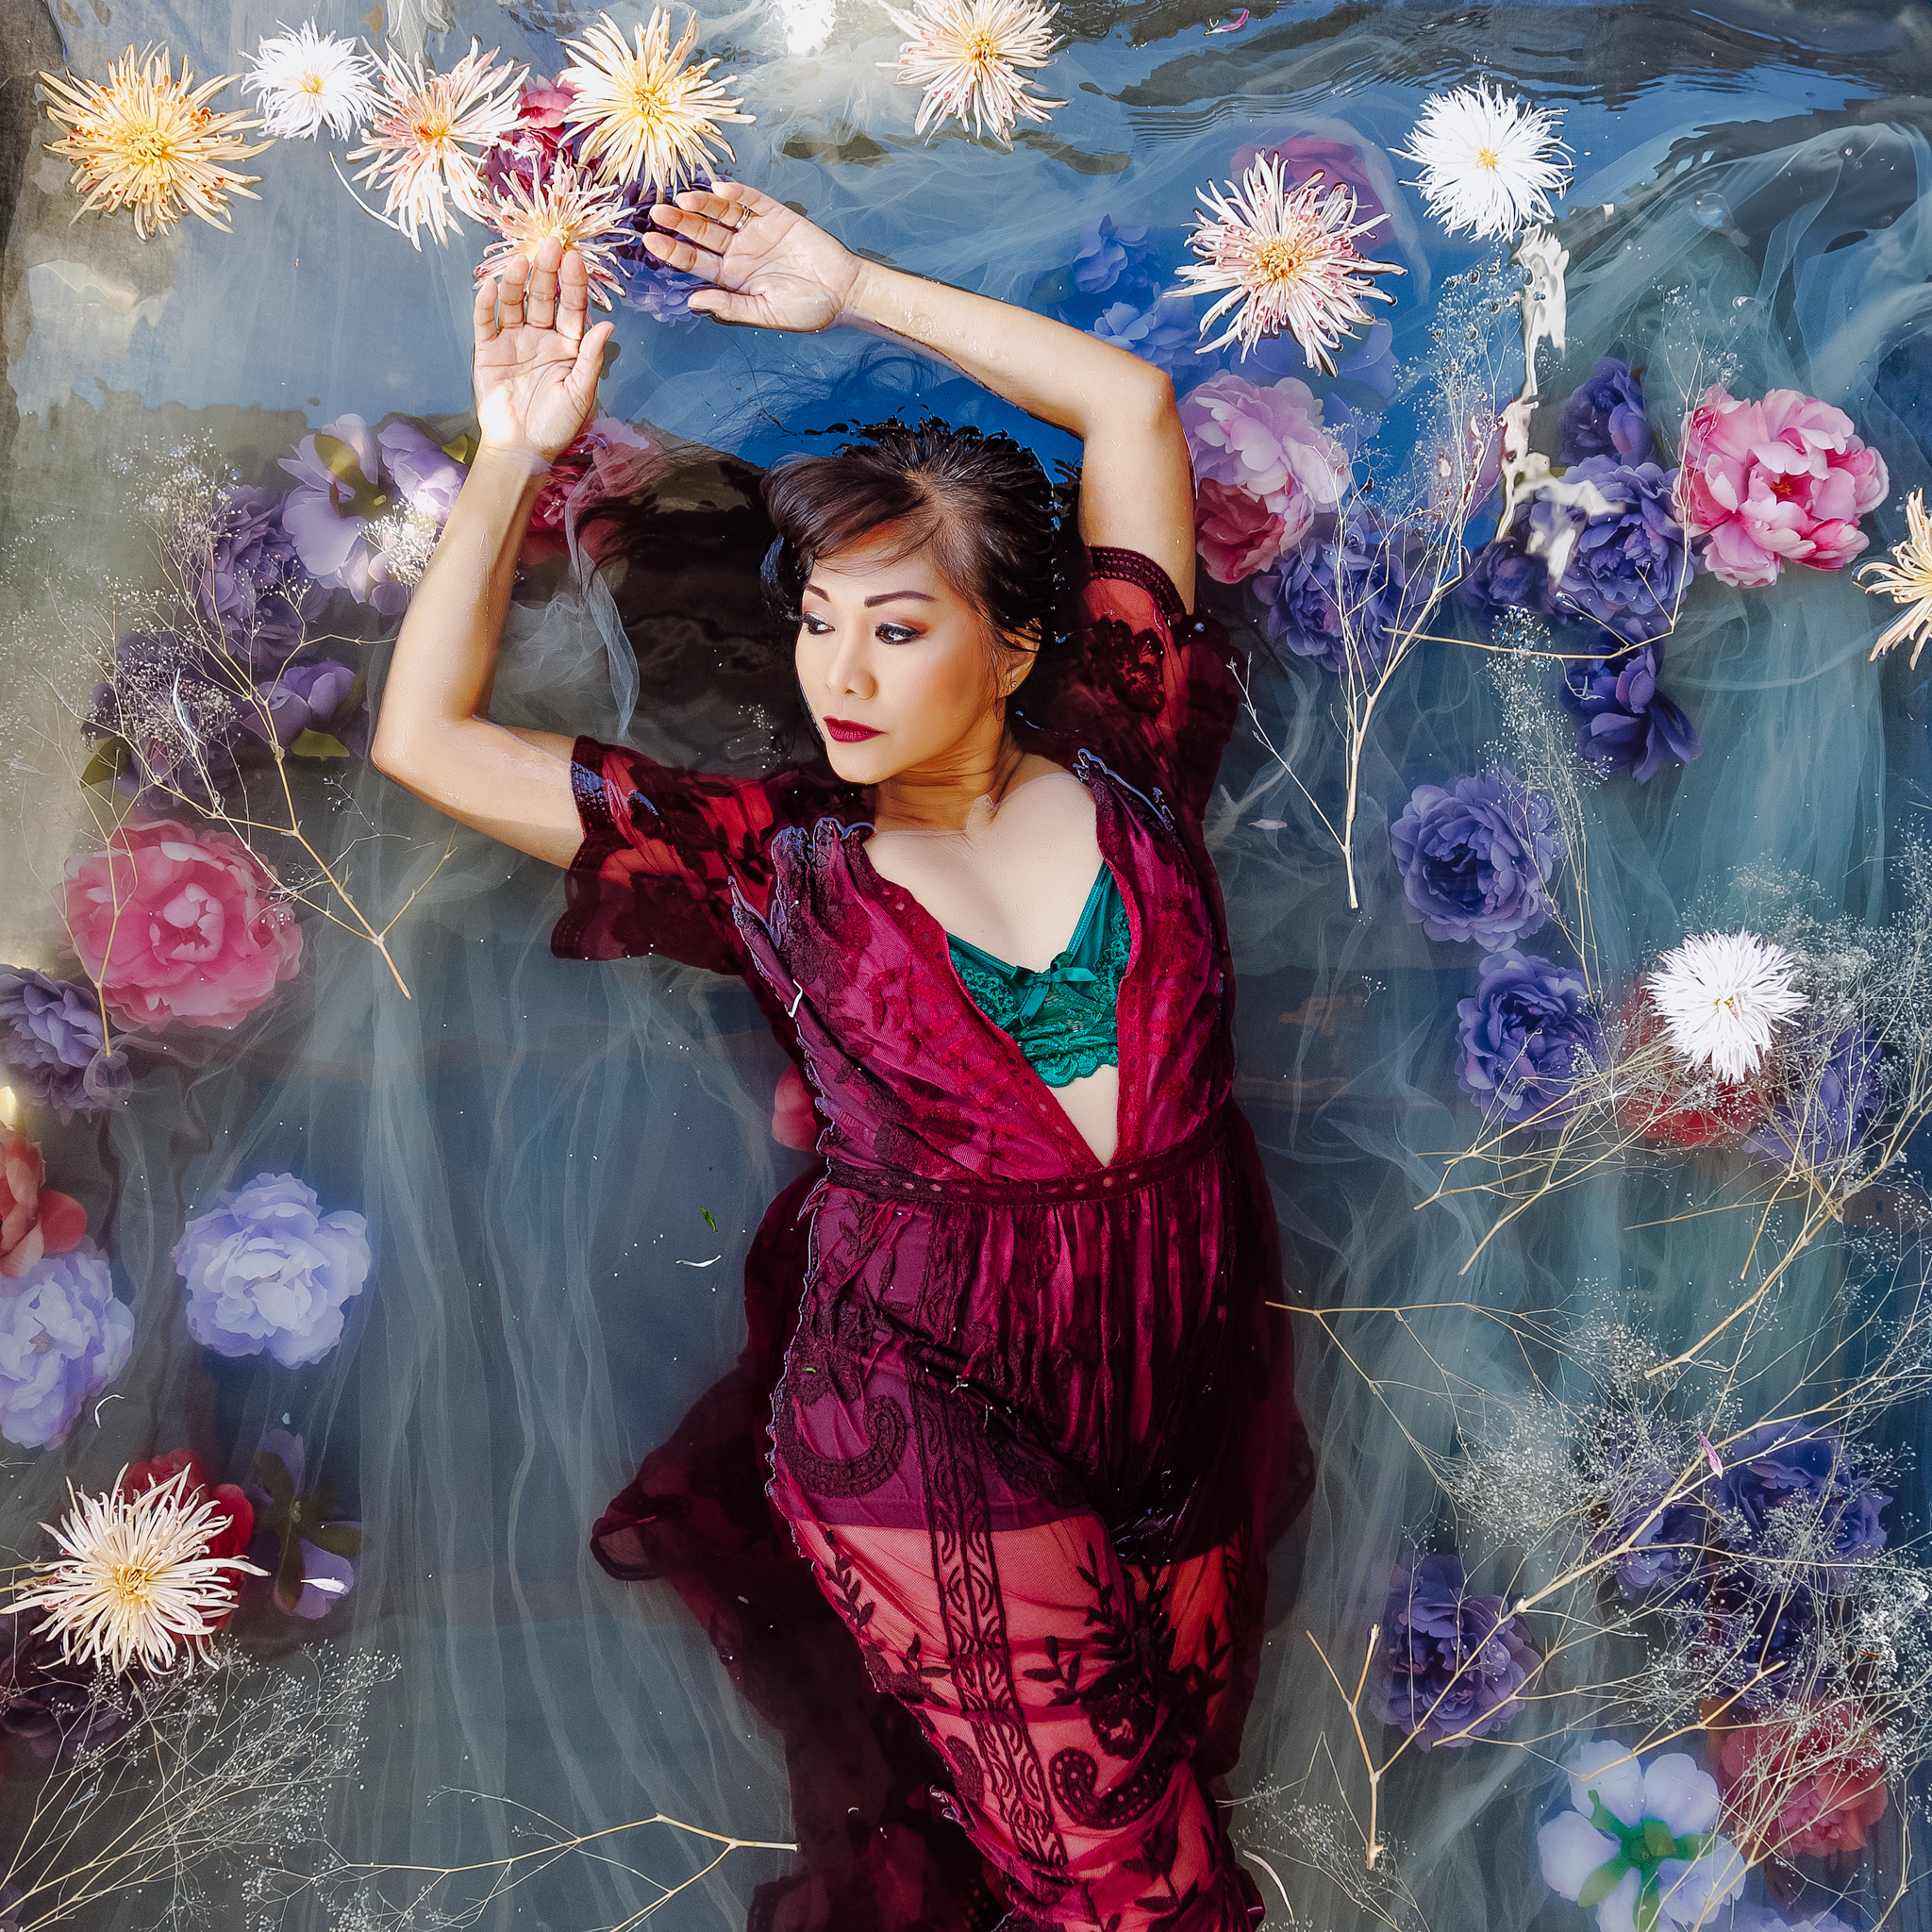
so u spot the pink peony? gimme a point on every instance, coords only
(1808, 1784)
(545, 536)
(34, 1219)
(1267, 444)
(1784, 481)
(177, 923)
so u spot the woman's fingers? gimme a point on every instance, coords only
(582, 381)
(572, 296)
(696, 226)
(679, 254)
(509, 295)
(483, 316)
(539, 309)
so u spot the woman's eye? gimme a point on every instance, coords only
(815, 627)
(894, 634)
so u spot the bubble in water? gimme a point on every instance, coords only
(1711, 211)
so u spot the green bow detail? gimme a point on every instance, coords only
(298, 1518)
(1645, 1845)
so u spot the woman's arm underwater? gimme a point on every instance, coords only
(772, 269)
(536, 378)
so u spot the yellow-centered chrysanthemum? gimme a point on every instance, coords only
(967, 55)
(1909, 579)
(144, 141)
(420, 131)
(646, 116)
(582, 214)
(134, 1582)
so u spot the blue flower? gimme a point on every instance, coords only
(1823, 1122)
(1628, 723)
(266, 1270)
(1526, 1037)
(1451, 1663)
(1106, 251)
(1640, 1467)
(1383, 580)
(1795, 1476)
(1162, 333)
(1604, 417)
(1477, 859)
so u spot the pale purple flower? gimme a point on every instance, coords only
(663, 294)
(355, 492)
(1451, 1662)
(51, 1044)
(254, 586)
(1477, 857)
(301, 697)
(1638, 1470)
(63, 1338)
(306, 1578)
(1380, 578)
(1673, 1877)
(1801, 1468)
(267, 1270)
(1526, 1038)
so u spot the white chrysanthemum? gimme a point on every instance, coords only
(420, 133)
(1489, 161)
(1723, 996)
(647, 115)
(966, 55)
(1287, 260)
(1907, 578)
(135, 1583)
(565, 207)
(308, 81)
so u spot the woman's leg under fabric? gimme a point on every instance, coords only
(1049, 1680)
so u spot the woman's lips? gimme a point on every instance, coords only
(849, 734)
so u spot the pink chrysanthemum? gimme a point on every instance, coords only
(1286, 258)
(420, 131)
(564, 206)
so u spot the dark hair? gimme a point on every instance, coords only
(979, 502)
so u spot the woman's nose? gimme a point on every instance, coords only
(849, 675)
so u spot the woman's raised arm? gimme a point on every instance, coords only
(772, 269)
(536, 379)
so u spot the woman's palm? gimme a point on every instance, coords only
(536, 369)
(769, 267)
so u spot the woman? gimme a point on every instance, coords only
(1031, 1433)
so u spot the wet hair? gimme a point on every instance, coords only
(978, 503)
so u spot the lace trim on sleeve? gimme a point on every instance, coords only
(1130, 567)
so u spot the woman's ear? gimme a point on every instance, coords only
(1019, 653)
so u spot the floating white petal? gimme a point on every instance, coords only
(1490, 161)
(307, 81)
(1907, 578)
(1723, 996)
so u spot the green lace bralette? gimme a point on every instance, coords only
(1061, 1017)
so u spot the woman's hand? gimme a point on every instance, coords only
(769, 268)
(536, 369)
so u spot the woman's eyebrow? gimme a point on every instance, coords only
(888, 597)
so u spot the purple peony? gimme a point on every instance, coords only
(1526, 1037)
(1756, 1635)
(299, 698)
(1628, 723)
(51, 1044)
(1383, 582)
(1640, 1467)
(1450, 1664)
(1162, 333)
(254, 586)
(1821, 1123)
(663, 294)
(266, 1271)
(59, 1708)
(357, 492)
(1477, 857)
(63, 1338)
(1106, 251)
(1604, 417)
(176, 704)
(1626, 566)
(1787, 1479)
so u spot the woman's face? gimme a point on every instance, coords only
(898, 668)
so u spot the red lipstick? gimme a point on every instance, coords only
(847, 733)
